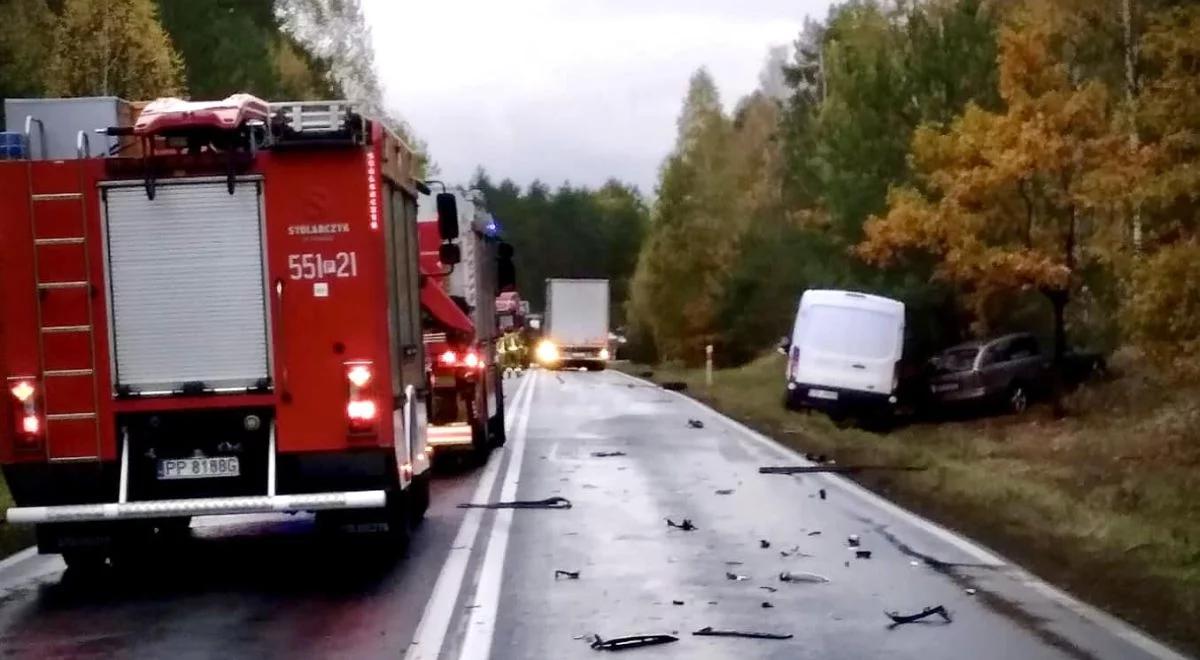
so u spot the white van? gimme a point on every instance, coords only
(843, 352)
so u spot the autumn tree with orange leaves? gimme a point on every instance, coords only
(1017, 199)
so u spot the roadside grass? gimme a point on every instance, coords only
(1104, 503)
(12, 537)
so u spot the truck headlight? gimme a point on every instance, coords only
(604, 354)
(547, 352)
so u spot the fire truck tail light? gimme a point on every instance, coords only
(31, 424)
(26, 415)
(359, 375)
(472, 361)
(362, 411)
(449, 357)
(22, 391)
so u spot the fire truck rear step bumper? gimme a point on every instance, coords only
(208, 506)
(449, 435)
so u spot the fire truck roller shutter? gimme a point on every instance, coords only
(186, 283)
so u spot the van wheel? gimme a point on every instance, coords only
(418, 497)
(1018, 399)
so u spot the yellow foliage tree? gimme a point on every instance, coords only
(1014, 200)
(112, 47)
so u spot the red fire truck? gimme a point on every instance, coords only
(466, 412)
(228, 322)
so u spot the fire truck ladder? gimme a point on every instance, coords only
(62, 270)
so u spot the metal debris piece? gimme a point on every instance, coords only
(607, 454)
(548, 503)
(862, 554)
(763, 543)
(766, 605)
(822, 493)
(841, 469)
(677, 602)
(852, 541)
(686, 525)
(811, 578)
(630, 642)
(725, 491)
(570, 575)
(898, 619)
(674, 385)
(708, 631)
(770, 589)
(735, 577)
(971, 592)
(695, 423)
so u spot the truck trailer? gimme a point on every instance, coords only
(227, 322)
(575, 332)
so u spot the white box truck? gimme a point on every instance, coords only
(576, 325)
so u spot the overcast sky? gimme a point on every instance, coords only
(557, 90)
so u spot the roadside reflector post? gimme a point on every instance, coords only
(708, 365)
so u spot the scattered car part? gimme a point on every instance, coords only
(816, 458)
(725, 491)
(607, 454)
(735, 577)
(971, 592)
(822, 493)
(815, 532)
(630, 642)
(674, 385)
(708, 631)
(570, 575)
(852, 541)
(793, 552)
(548, 503)
(767, 605)
(899, 619)
(686, 525)
(677, 602)
(770, 589)
(763, 543)
(840, 469)
(811, 578)
(862, 554)
(695, 423)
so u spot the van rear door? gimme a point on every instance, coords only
(847, 347)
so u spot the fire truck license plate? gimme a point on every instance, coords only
(198, 468)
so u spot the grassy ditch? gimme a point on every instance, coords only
(1105, 502)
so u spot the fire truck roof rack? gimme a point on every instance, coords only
(316, 124)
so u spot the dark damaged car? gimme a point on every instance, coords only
(1007, 372)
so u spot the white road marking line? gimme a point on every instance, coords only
(477, 643)
(1118, 627)
(435, 620)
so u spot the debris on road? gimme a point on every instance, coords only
(724, 491)
(971, 592)
(686, 525)
(646, 374)
(770, 589)
(630, 642)
(899, 619)
(548, 503)
(766, 605)
(794, 552)
(862, 554)
(708, 631)
(852, 541)
(607, 454)
(840, 469)
(677, 602)
(735, 577)
(816, 458)
(811, 578)
(570, 575)
(822, 493)
(763, 543)
(695, 423)
(674, 385)
(815, 532)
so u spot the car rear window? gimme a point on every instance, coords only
(851, 331)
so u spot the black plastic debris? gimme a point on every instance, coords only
(793, 552)
(767, 605)
(900, 619)
(708, 631)
(630, 642)
(725, 491)
(686, 525)
(735, 577)
(570, 575)
(674, 385)
(816, 458)
(548, 503)
(840, 469)
(815, 532)
(695, 423)
(822, 493)
(677, 602)
(862, 554)
(810, 578)
(607, 454)
(852, 541)
(763, 543)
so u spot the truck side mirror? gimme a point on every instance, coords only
(449, 254)
(447, 212)
(506, 272)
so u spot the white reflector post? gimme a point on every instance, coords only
(186, 287)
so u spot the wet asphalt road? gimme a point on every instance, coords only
(481, 582)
